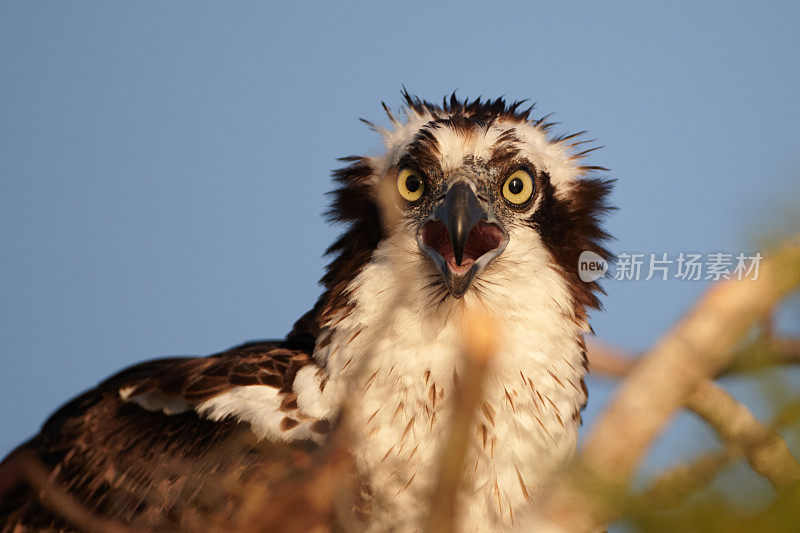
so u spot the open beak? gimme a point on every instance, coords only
(461, 237)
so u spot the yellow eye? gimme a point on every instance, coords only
(518, 187)
(410, 184)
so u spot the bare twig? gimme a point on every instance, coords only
(785, 350)
(611, 361)
(763, 448)
(765, 352)
(696, 349)
(25, 466)
(673, 486)
(607, 360)
(479, 348)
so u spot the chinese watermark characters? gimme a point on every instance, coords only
(663, 266)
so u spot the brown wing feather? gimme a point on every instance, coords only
(198, 379)
(148, 469)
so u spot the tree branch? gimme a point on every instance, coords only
(478, 350)
(606, 360)
(673, 486)
(611, 361)
(763, 448)
(765, 352)
(660, 383)
(54, 497)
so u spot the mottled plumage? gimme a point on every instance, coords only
(486, 214)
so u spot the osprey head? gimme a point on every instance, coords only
(459, 222)
(465, 194)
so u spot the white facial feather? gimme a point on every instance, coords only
(555, 158)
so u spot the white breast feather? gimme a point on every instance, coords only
(400, 402)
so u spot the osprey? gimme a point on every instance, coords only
(472, 207)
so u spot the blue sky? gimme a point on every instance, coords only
(163, 164)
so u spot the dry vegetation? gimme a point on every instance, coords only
(714, 338)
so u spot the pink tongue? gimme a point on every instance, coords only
(449, 256)
(465, 265)
(482, 239)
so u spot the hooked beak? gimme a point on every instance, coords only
(461, 237)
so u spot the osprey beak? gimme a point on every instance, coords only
(461, 237)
